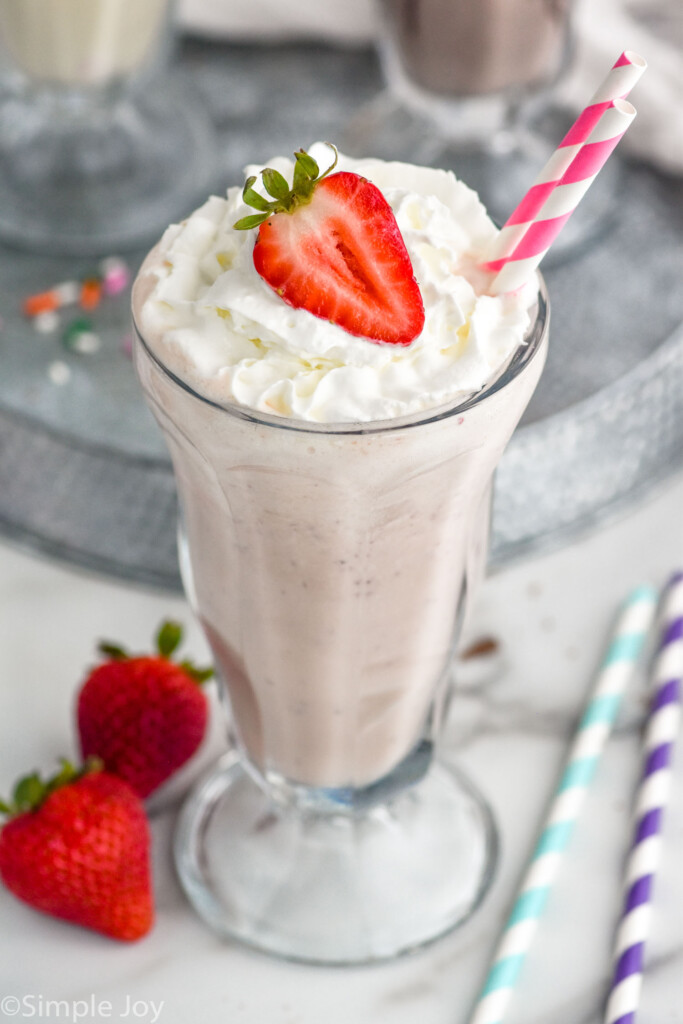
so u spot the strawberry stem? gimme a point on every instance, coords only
(285, 199)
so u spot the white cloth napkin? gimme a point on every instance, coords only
(653, 28)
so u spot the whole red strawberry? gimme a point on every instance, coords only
(77, 847)
(331, 245)
(143, 716)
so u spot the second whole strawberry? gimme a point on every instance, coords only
(77, 847)
(143, 716)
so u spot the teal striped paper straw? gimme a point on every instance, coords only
(589, 742)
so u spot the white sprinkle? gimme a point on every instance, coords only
(111, 263)
(46, 323)
(85, 342)
(68, 292)
(59, 373)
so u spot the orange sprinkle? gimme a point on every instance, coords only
(44, 302)
(91, 294)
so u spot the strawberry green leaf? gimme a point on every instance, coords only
(306, 173)
(245, 223)
(301, 181)
(306, 164)
(276, 185)
(200, 675)
(113, 651)
(68, 773)
(29, 792)
(254, 198)
(169, 638)
(285, 200)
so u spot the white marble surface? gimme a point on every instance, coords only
(552, 614)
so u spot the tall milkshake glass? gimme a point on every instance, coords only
(330, 566)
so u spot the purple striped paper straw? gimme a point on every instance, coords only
(651, 800)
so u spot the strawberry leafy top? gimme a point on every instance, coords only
(31, 792)
(285, 199)
(168, 639)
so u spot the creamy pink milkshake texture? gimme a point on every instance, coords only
(333, 536)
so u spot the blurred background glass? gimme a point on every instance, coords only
(451, 51)
(470, 87)
(97, 148)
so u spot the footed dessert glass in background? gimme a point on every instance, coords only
(469, 85)
(330, 565)
(98, 150)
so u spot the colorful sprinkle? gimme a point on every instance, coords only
(43, 302)
(115, 276)
(80, 336)
(91, 293)
(77, 326)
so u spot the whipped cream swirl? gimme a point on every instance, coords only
(213, 320)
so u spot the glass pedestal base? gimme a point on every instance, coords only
(91, 175)
(335, 888)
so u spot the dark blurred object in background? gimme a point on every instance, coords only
(474, 46)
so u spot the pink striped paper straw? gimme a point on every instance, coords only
(651, 801)
(617, 85)
(516, 269)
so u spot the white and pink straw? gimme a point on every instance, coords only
(538, 219)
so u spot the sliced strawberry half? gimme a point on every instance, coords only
(331, 245)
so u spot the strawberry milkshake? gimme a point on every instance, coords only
(336, 389)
